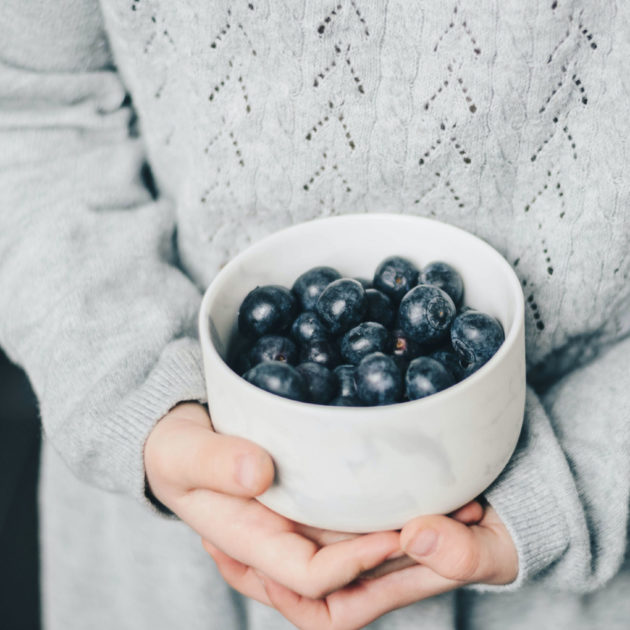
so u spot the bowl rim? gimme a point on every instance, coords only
(422, 403)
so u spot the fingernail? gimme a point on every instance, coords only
(247, 471)
(424, 543)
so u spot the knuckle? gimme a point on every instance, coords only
(199, 465)
(467, 564)
(315, 593)
(217, 469)
(313, 590)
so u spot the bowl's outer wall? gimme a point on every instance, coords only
(367, 469)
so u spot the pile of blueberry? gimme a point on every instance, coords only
(334, 340)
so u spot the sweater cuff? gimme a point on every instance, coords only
(525, 499)
(177, 377)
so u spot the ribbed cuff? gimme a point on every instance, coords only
(176, 377)
(524, 498)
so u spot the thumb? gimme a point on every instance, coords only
(183, 453)
(456, 551)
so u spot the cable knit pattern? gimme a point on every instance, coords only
(258, 115)
(146, 142)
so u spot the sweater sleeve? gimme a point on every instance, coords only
(565, 494)
(92, 303)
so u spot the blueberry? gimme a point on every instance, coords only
(346, 401)
(470, 369)
(476, 337)
(365, 283)
(273, 348)
(309, 286)
(321, 383)
(342, 305)
(308, 327)
(401, 363)
(442, 275)
(426, 313)
(364, 339)
(378, 380)
(426, 376)
(322, 351)
(278, 378)
(450, 360)
(404, 346)
(395, 276)
(265, 310)
(403, 349)
(238, 356)
(379, 308)
(345, 376)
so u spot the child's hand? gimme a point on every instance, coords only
(451, 552)
(209, 480)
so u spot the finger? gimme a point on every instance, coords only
(191, 411)
(323, 536)
(477, 553)
(358, 604)
(238, 575)
(396, 564)
(336, 565)
(369, 599)
(303, 612)
(470, 513)
(254, 535)
(188, 455)
(327, 537)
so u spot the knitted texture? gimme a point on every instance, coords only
(257, 116)
(146, 142)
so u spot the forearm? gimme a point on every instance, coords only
(92, 303)
(565, 494)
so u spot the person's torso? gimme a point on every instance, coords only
(506, 120)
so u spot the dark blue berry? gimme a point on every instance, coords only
(278, 378)
(345, 377)
(401, 363)
(426, 313)
(308, 327)
(346, 401)
(404, 346)
(265, 310)
(475, 337)
(395, 276)
(364, 339)
(365, 283)
(450, 360)
(426, 376)
(442, 275)
(404, 349)
(309, 286)
(380, 308)
(238, 356)
(342, 305)
(321, 383)
(322, 351)
(273, 348)
(378, 380)
(470, 369)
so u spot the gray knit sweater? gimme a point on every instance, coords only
(145, 142)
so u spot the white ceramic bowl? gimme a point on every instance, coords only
(361, 469)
